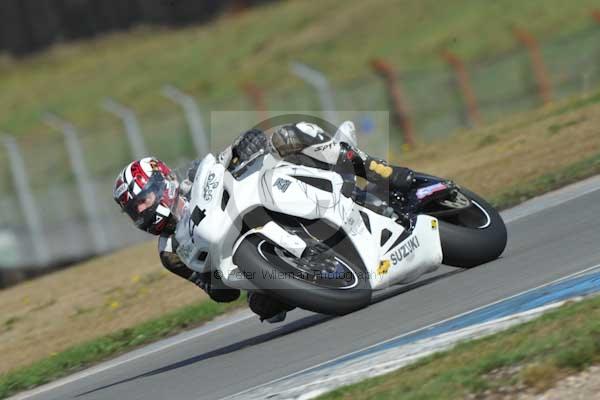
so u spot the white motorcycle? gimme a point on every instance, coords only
(314, 240)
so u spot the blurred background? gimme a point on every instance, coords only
(88, 85)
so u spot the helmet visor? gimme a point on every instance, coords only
(142, 208)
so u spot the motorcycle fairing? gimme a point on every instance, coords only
(284, 191)
(207, 227)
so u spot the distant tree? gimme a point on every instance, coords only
(28, 25)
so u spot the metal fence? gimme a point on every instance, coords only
(70, 229)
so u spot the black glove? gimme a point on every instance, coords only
(247, 144)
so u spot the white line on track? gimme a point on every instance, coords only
(552, 199)
(530, 207)
(357, 370)
(573, 275)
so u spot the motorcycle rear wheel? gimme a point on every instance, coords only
(474, 236)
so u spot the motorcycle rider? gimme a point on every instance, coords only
(148, 191)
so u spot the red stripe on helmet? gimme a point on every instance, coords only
(139, 175)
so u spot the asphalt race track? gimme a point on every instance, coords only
(549, 238)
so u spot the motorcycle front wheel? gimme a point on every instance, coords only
(326, 283)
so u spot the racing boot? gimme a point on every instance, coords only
(267, 308)
(388, 178)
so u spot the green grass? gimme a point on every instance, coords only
(211, 61)
(94, 351)
(533, 355)
(545, 183)
(339, 37)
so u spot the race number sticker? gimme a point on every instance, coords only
(197, 216)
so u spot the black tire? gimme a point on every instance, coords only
(297, 292)
(466, 246)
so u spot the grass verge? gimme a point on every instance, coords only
(529, 357)
(338, 37)
(519, 193)
(93, 351)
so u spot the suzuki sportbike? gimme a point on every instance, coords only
(314, 239)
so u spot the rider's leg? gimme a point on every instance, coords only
(375, 170)
(312, 141)
(215, 289)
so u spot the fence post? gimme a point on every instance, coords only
(320, 82)
(192, 115)
(27, 200)
(257, 98)
(82, 176)
(132, 127)
(464, 84)
(398, 104)
(537, 63)
(586, 75)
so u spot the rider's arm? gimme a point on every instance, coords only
(308, 139)
(171, 261)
